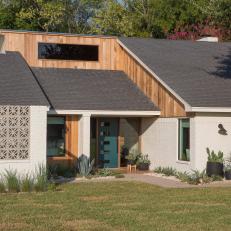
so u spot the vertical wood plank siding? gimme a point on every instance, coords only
(169, 105)
(27, 44)
(111, 57)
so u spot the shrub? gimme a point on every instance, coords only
(216, 178)
(27, 183)
(41, 181)
(182, 176)
(52, 187)
(60, 170)
(167, 171)
(104, 172)
(158, 170)
(2, 186)
(84, 165)
(12, 181)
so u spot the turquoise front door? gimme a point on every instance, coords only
(108, 142)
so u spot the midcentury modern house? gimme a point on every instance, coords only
(63, 95)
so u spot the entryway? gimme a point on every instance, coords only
(108, 142)
(112, 139)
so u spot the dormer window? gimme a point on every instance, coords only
(60, 51)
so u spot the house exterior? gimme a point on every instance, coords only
(63, 95)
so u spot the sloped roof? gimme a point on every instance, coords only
(75, 89)
(199, 72)
(17, 83)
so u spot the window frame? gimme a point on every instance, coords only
(68, 60)
(64, 156)
(180, 140)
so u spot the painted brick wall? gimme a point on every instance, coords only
(160, 142)
(206, 135)
(38, 125)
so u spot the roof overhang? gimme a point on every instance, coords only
(211, 109)
(186, 105)
(105, 113)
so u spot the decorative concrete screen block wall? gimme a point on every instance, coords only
(28, 126)
(14, 132)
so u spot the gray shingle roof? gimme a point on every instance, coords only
(199, 72)
(17, 83)
(74, 89)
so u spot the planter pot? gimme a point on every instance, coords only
(228, 175)
(143, 166)
(214, 168)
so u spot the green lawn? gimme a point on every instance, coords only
(117, 206)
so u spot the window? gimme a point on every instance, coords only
(68, 52)
(56, 136)
(184, 140)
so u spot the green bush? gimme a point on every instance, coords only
(27, 183)
(56, 170)
(158, 170)
(216, 178)
(41, 180)
(52, 187)
(2, 186)
(167, 171)
(104, 172)
(182, 176)
(12, 181)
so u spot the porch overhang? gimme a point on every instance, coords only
(105, 113)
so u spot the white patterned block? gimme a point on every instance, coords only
(14, 132)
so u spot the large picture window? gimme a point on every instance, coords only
(56, 136)
(184, 140)
(68, 52)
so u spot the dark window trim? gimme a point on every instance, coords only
(69, 60)
(179, 140)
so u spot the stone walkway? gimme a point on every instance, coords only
(170, 183)
(149, 179)
(159, 181)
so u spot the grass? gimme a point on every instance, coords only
(117, 206)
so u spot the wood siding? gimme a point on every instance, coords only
(168, 104)
(111, 57)
(27, 44)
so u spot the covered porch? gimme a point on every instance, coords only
(93, 112)
(106, 137)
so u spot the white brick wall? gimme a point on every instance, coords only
(159, 140)
(206, 135)
(38, 130)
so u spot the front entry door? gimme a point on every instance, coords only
(108, 142)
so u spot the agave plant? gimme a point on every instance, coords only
(84, 165)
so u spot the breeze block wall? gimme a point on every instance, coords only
(22, 137)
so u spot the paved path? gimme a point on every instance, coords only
(159, 181)
(169, 183)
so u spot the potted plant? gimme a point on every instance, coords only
(143, 162)
(227, 168)
(132, 158)
(215, 163)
